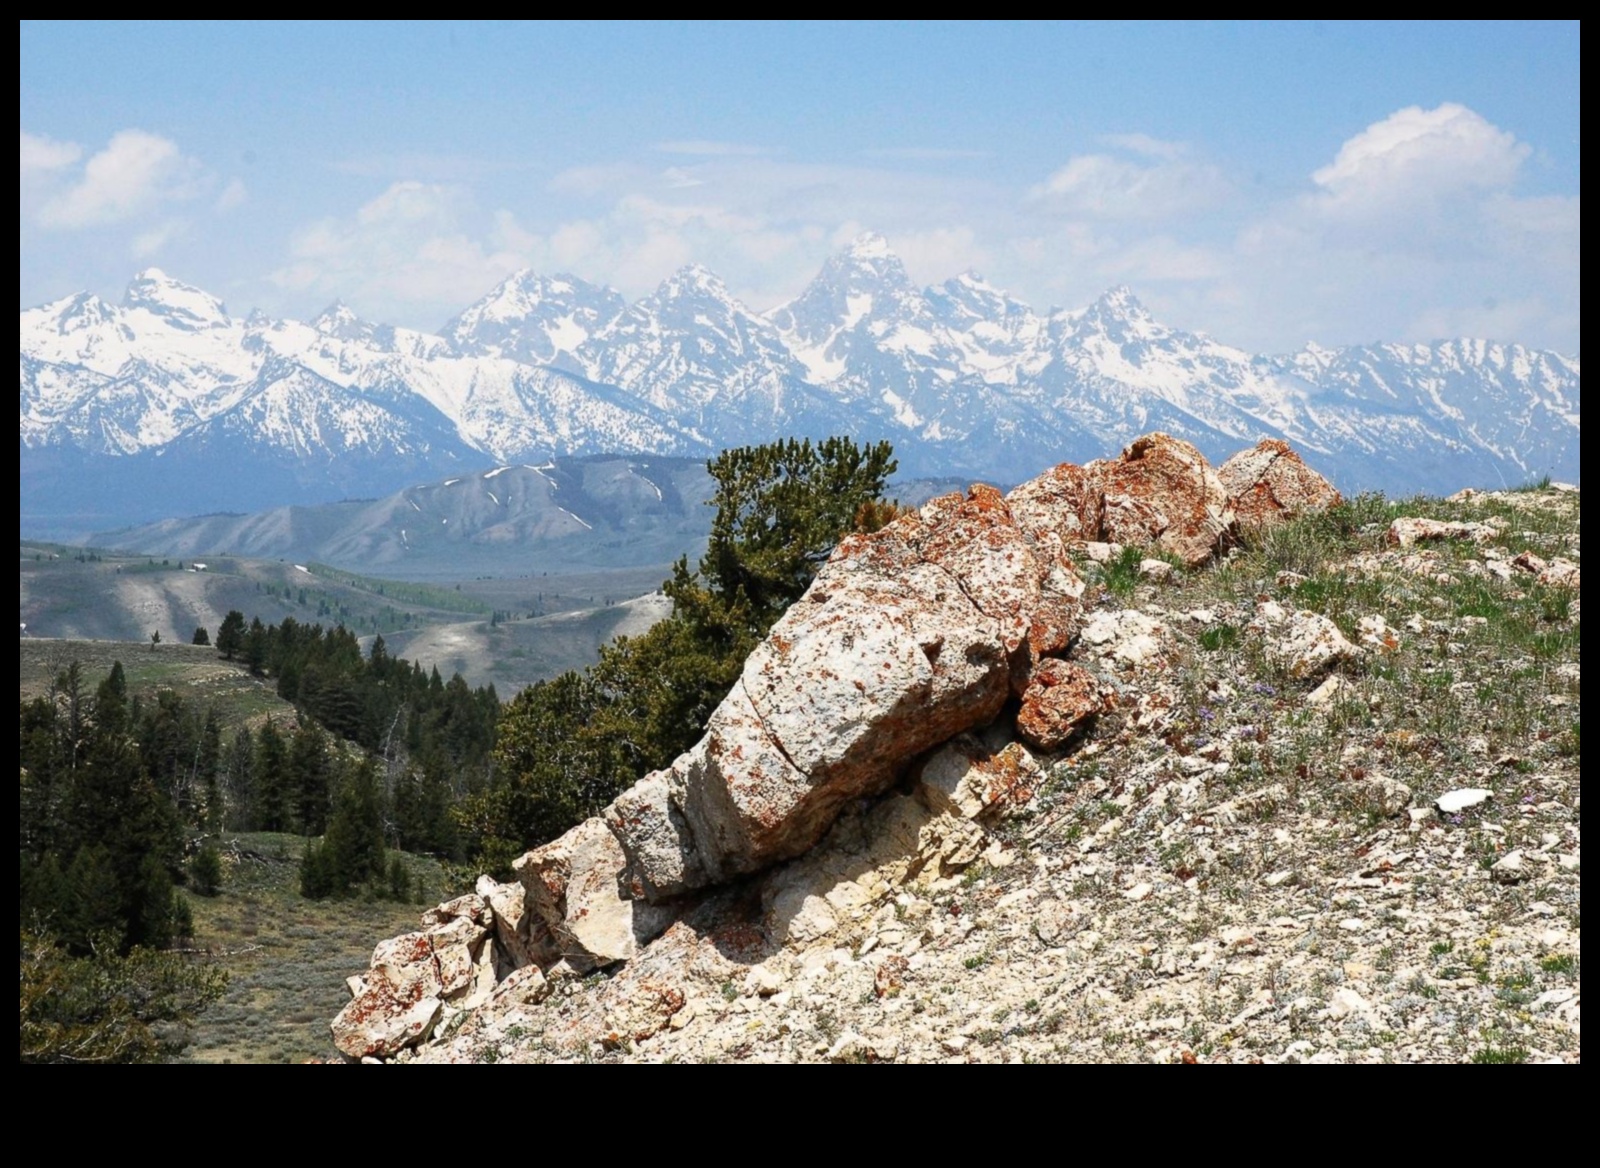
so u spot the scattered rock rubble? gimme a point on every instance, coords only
(961, 807)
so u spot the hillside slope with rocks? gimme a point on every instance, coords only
(1144, 760)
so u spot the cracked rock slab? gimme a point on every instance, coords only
(1162, 491)
(577, 886)
(1270, 484)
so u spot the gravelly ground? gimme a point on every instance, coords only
(1244, 862)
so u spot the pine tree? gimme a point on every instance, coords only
(310, 770)
(355, 831)
(317, 878)
(399, 879)
(207, 779)
(271, 780)
(92, 907)
(230, 637)
(780, 510)
(567, 746)
(111, 701)
(151, 906)
(205, 870)
(239, 781)
(255, 646)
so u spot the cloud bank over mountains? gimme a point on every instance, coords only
(1418, 226)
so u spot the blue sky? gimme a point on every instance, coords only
(1267, 183)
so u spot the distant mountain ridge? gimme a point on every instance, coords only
(167, 405)
(592, 514)
(565, 515)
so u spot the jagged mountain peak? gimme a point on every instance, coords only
(340, 322)
(864, 282)
(182, 305)
(869, 245)
(693, 280)
(977, 297)
(961, 376)
(973, 280)
(868, 259)
(694, 350)
(80, 310)
(1116, 314)
(533, 317)
(526, 290)
(1120, 301)
(335, 317)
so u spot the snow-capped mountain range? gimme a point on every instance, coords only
(165, 404)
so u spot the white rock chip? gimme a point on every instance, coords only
(1511, 868)
(1452, 802)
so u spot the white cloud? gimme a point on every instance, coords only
(678, 178)
(645, 210)
(233, 195)
(430, 166)
(1414, 224)
(1508, 319)
(1146, 145)
(571, 244)
(135, 172)
(934, 256)
(1416, 153)
(765, 225)
(405, 253)
(1108, 186)
(1412, 232)
(1159, 258)
(147, 244)
(596, 180)
(42, 155)
(410, 203)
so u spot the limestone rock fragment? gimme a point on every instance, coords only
(1270, 483)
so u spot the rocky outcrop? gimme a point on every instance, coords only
(1270, 482)
(573, 885)
(1557, 573)
(1063, 503)
(1060, 700)
(1409, 530)
(906, 638)
(414, 979)
(1162, 492)
(1161, 886)
(908, 642)
(1301, 644)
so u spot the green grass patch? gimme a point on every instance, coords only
(1500, 1054)
(1220, 637)
(1120, 575)
(403, 591)
(287, 957)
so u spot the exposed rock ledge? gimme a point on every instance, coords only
(894, 668)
